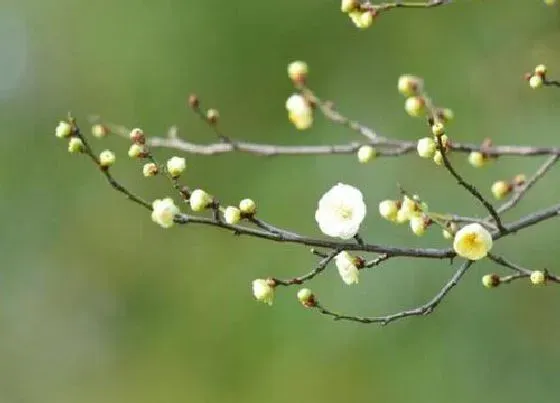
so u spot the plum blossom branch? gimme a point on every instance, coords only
(341, 210)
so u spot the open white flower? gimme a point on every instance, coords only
(341, 211)
(263, 290)
(472, 242)
(164, 211)
(347, 268)
(300, 112)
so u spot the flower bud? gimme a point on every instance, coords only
(193, 101)
(106, 158)
(347, 268)
(415, 106)
(409, 85)
(538, 277)
(212, 116)
(438, 129)
(297, 71)
(99, 131)
(519, 180)
(137, 136)
(426, 147)
(388, 209)
(348, 6)
(450, 231)
(176, 166)
(361, 19)
(306, 298)
(418, 225)
(446, 114)
(477, 159)
(540, 70)
(150, 169)
(366, 153)
(75, 145)
(136, 151)
(501, 189)
(438, 158)
(64, 129)
(200, 200)
(164, 212)
(300, 112)
(248, 206)
(535, 82)
(232, 215)
(490, 280)
(263, 290)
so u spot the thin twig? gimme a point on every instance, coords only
(106, 172)
(544, 168)
(470, 188)
(317, 270)
(521, 271)
(424, 309)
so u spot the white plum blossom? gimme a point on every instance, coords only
(341, 211)
(347, 268)
(472, 242)
(164, 211)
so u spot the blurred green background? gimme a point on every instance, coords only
(98, 304)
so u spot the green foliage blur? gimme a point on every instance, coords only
(98, 304)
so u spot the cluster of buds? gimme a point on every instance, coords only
(537, 78)
(550, 2)
(412, 88)
(406, 210)
(300, 109)
(66, 130)
(501, 189)
(247, 208)
(138, 148)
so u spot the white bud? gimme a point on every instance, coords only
(75, 145)
(64, 129)
(247, 206)
(232, 215)
(366, 153)
(388, 209)
(176, 166)
(106, 158)
(263, 290)
(426, 147)
(150, 169)
(200, 200)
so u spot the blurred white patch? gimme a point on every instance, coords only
(13, 52)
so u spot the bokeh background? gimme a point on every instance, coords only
(98, 304)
